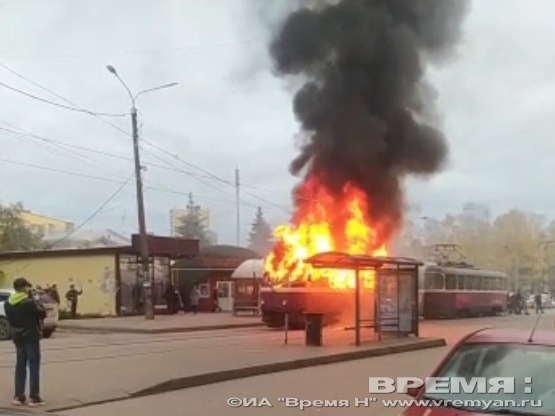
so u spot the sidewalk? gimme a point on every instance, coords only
(81, 370)
(162, 324)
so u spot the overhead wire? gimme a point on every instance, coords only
(98, 116)
(17, 132)
(23, 133)
(53, 149)
(160, 149)
(95, 213)
(55, 104)
(150, 185)
(153, 186)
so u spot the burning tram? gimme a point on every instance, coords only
(330, 292)
(460, 290)
(294, 299)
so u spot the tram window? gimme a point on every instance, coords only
(489, 283)
(433, 281)
(468, 283)
(451, 282)
(494, 283)
(461, 279)
(473, 283)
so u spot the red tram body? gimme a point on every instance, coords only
(456, 292)
(444, 292)
(337, 305)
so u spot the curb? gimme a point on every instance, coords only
(245, 372)
(155, 331)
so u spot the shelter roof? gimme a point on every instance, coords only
(341, 260)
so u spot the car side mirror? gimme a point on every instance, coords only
(413, 391)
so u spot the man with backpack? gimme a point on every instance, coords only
(25, 315)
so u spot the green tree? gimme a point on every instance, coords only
(14, 235)
(518, 240)
(261, 235)
(473, 231)
(192, 225)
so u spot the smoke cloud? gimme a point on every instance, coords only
(364, 107)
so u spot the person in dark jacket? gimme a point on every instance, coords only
(54, 293)
(72, 296)
(216, 301)
(25, 315)
(538, 302)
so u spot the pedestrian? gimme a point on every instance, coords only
(72, 297)
(519, 302)
(169, 297)
(25, 315)
(55, 294)
(194, 297)
(216, 301)
(538, 302)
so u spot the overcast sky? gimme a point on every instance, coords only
(496, 97)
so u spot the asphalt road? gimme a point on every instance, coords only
(345, 381)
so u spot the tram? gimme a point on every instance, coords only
(459, 290)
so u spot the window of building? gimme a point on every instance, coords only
(204, 290)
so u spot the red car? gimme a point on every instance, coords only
(490, 353)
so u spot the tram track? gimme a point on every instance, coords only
(176, 344)
(146, 340)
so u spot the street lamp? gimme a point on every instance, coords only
(144, 270)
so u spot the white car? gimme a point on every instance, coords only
(50, 323)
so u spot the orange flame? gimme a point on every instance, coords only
(323, 223)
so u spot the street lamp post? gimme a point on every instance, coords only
(144, 270)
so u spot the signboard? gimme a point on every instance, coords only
(397, 301)
(168, 246)
(388, 306)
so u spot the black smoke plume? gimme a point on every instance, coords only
(365, 102)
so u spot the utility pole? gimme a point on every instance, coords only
(238, 205)
(144, 276)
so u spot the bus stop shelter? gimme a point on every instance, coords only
(396, 289)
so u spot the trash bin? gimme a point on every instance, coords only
(313, 329)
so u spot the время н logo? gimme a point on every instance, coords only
(444, 385)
